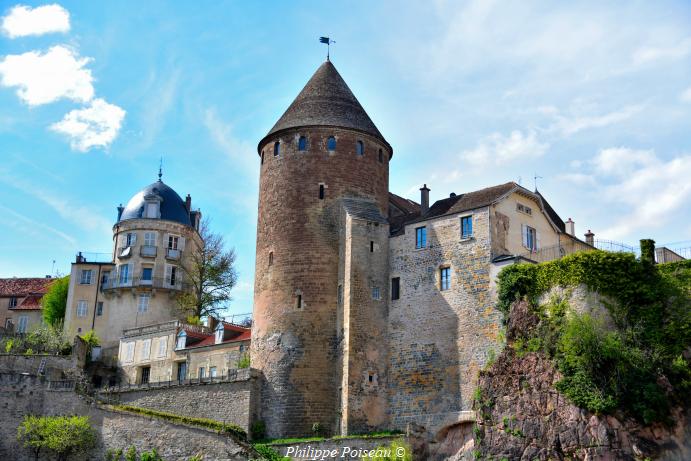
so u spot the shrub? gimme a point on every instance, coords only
(269, 453)
(54, 302)
(244, 361)
(258, 430)
(398, 450)
(63, 435)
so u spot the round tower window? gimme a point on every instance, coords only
(360, 148)
(331, 143)
(302, 143)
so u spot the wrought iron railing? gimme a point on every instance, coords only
(148, 251)
(556, 251)
(141, 282)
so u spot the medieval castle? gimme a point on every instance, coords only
(371, 311)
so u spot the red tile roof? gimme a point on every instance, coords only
(24, 286)
(30, 303)
(210, 339)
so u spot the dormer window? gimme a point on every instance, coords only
(219, 333)
(182, 340)
(151, 210)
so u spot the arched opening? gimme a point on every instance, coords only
(331, 143)
(302, 143)
(277, 148)
(360, 148)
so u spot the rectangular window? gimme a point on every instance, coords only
(124, 276)
(23, 322)
(340, 295)
(529, 238)
(146, 349)
(466, 227)
(376, 294)
(173, 241)
(445, 275)
(299, 303)
(212, 372)
(150, 239)
(371, 246)
(421, 237)
(99, 308)
(104, 278)
(143, 304)
(146, 374)
(321, 191)
(81, 309)
(13, 302)
(129, 354)
(201, 373)
(130, 239)
(182, 341)
(147, 274)
(152, 210)
(395, 288)
(162, 346)
(85, 278)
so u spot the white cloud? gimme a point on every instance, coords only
(622, 161)
(579, 179)
(686, 95)
(42, 78)
(242, 153)
(649, 190)
(24, 20)
(648, 54)
(94, 126)
(568, 126)
(31, 227)
(498, 149)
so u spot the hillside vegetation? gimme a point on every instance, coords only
(641, 364)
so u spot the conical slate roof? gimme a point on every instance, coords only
(326, 100)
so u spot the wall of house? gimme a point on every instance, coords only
(234, 400)
(362, 319)
(439, 340)
(162, 364)
(507, 237)
(222, 356)
(90, 293)
(34, 317)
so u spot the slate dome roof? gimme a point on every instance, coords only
(326, 100)
(172, 206)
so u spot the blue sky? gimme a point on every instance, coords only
(595, 98)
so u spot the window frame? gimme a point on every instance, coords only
(82, 308)
(359, 148)
(12, 302)
(181, 336)
(130, 239)
(395, 288)
(99, 308)
(376, 293)
(420, 237)
(22, 323)
(150, 238)
(302, 143)
(85, 276)
(466, 218)
(146, 349)
(331, 143)
(143, 308)
(277, 148)
(444, 278)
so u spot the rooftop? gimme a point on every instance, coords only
(172, 208)
(326, 100)
(24, 286)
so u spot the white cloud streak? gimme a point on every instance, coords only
(498, 149)
(96, 125)
(30, 226)
(24, 21)
(686, 95)
(568, 126)
(647, 54)
(42, 78)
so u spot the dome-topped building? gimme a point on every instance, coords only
(159, 201)
(153, 239)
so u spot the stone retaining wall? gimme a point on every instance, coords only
(234, 401)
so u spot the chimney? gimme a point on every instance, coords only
(188, 203)
(424, 199)
(590, 238)
(80, 258)
(570, 227)
(120, 210)
(211, 322)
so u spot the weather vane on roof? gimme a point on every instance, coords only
(160, 168)
(328, 42)
(535, 178)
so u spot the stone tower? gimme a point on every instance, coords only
(321, 283)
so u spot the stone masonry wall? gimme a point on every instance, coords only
(231, 402)
(294, 333)
(21, 395)
(439, 340)
(364, 324)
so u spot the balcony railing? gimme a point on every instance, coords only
(140, 282)
(557, 251)
(148, 251)
(172, 253)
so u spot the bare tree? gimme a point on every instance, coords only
(211, 274)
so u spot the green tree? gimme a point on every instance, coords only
(63, 435)
(211, 274)
(54, 301)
